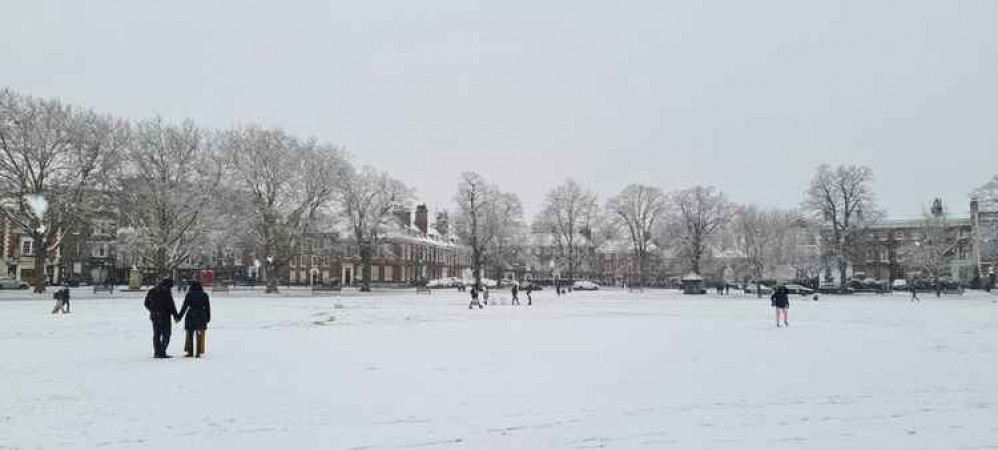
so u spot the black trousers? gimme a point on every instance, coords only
(161, 330)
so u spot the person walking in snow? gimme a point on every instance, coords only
(485, 294)
(474, 298)
(65, 300)
(515, 290)
(61, 297)
(196, 312)
(781, 303)
(914, 293)
(159, 302)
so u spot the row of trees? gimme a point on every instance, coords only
(178, 189)
(831, 228)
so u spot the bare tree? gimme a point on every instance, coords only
(638, 209)
(289, 180)
(484, 217)
(505, 219)
(804, 251)
(564, 217)
(700, 213)
(366, 197)
(843, 200)
(935, 245)
(597, 229)
(52, 159)
(763, 238)
(168, 179)
(987, 194)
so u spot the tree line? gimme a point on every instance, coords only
(178, 190)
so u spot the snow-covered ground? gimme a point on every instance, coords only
(594, 369)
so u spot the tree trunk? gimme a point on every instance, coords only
(39, 268)
(842, 276)
(271, 279)
(476, 270)
(160, 263)
(365, 268)
(758, 282)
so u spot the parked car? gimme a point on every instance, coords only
(752, 288)
(797, 289)
(585, 285)
(12, 283)
(899, 285)
(487, 282)
(833, 288)
(533, 285)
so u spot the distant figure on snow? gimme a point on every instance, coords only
(781, 303)
(198, 314)
(485, 294)
(61, 297)
(474, 298)
(914, 293)
(515, 290)
(159, 302)
(530, 288)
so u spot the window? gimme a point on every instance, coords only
(103, 228)
(27, 246)
(315, 260)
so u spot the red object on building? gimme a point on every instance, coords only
(206, 277)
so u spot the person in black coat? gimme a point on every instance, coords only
(474, 298)
(781, 302)
(159, 302)
(198, 314)
(515, 290)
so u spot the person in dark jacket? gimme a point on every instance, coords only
(781, 302)
(198, 314)
(515, 290)
(159, 302)
(528, 290)
(65, 300)
(474, 298)
(61, 297)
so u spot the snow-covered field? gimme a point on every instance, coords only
(596, 369)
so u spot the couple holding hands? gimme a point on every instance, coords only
(159, 302)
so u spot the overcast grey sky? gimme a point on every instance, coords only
(748, 96)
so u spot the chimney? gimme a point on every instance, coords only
(421, 218)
